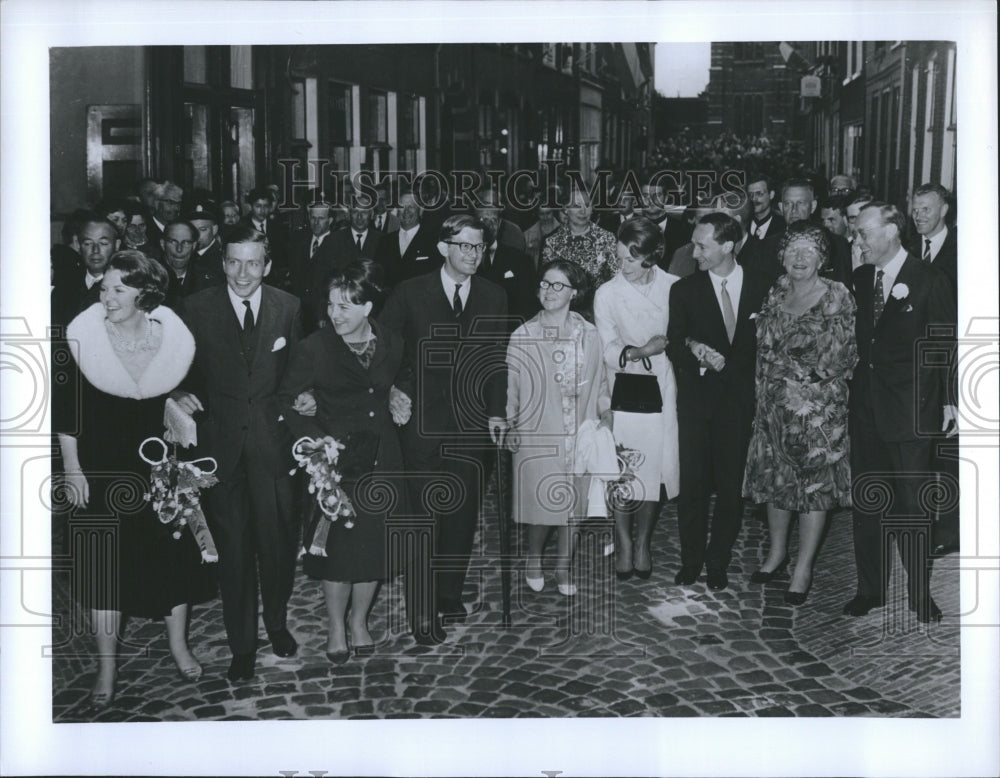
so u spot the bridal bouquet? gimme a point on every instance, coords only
(174, 492)
(620, 491)
(318, 457)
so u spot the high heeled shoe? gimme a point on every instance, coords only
(191, 674)
(338, 657)
(766, 576)
(99, 700)
(567, 590)
(796, 598)
(535, 584)
(624, 576)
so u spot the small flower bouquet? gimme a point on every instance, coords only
(621, 491)
(174, 492)
(318, 457)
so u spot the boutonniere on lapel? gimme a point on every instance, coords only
(899, 291)
(279, 344)
(509, 274)
(753, 316)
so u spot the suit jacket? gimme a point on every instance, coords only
(900, 347)
(695, 314)
(421, 255)
(277, 240)
(839, 266)
(306, 277)
(208, 266)
(71, 297)
(511, 235)
(343, 249)
(512, 271)
(389, 224)
(459, 364)
(946, 260)
(240, 393)
(776, 227)
(677, 233)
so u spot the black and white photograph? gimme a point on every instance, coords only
(402, 372)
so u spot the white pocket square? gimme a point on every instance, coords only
(279, 344)
(509, 274)
(421, 258)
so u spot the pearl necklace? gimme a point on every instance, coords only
(120, 343)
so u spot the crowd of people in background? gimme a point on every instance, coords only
(756, 346)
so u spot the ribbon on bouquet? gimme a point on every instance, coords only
(174, 492)
(318, 457)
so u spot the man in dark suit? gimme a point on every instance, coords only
(383, 220)
(411, 250)
(938, 242)
(262, 218)
(489, 208)
(899, 402)
(166, 208)
(243, 333)
(675, 231)
(453, 325)
(765, 220)
(178, 242)
(512, 271)
(712, 343)
(206, 261)
(309, 256)
(77, 289)
(356, 241)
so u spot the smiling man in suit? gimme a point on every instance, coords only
(411, 250)
(938, 242)
(712, 342)
(243, 332)
(454, 326)
(899, 404)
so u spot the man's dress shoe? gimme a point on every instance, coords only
(860, 605)
(430, 633)
(685, 576)
(717, 580)
(928, 612)
(283, 643)
(453, 612)
(241, 668)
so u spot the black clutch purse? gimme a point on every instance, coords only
(635, 392)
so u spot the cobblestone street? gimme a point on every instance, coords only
(633, 648)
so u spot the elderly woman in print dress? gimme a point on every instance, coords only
(798, 458)
(555, 382)
(128, 353)
(631, 312)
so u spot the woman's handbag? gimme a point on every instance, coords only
(636, 392)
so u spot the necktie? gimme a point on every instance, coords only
(247, 318)
(728, 316)
(378, 222)
(488, 258)
(359, 242)
(879, 302)
(456, 301)
(927, 250)
(314, 246)
(261, 227)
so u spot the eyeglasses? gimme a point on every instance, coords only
(179, 244)
(468, 248)
(839, 190)
(555, 286)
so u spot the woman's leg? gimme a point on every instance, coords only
(362, 596)
(537, 535)
(778, 523)
(177, 623)
(645, 522)
(337, 594)
(623, 537)
(106, 626)
(811, 527)
(566, 538)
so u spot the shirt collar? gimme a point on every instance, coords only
(449, 283)
(237, 302)
(733, 278)
(937, 241)
(893, 266)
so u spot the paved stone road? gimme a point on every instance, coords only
(638, 648)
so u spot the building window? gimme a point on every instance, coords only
(375, 125)
(240, 67)
(948, 147)
(195, 65)
(855, 60)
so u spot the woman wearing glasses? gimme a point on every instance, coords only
(631, 313)
(554, 384)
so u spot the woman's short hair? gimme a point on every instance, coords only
(574, 273)
(361, 281)
(642, 238)
(142, 273)
(805, 229)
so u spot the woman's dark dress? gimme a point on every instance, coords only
(353, 407)
(123, 558)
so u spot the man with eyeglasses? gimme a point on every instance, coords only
(453, 323)
(901, 399)
(842, 185)
(166, 208)
(243, 334)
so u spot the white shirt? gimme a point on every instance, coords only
(760, 230)
(937, 241)
(449, 288)
(201, 252)
(406, 237)
(379, 221)
(240, 309)
(890, 271)
(734, 285)
(317, 241)
(359, 235)
(260, 226)
(90, 280)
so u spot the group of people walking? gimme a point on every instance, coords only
(723, 382)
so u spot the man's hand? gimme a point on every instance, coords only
(513, 442)
(305, 404)
(707, 356)
(950, 424)
(187, 402)
(498, 429)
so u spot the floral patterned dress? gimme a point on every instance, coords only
(799, 451)
(554, 384)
